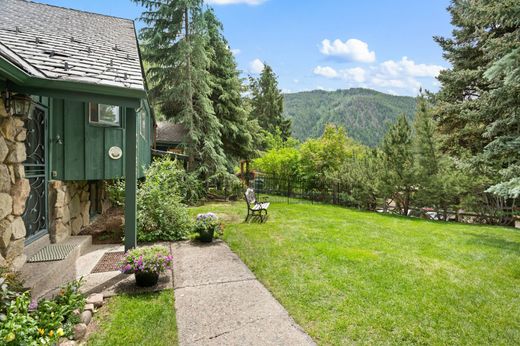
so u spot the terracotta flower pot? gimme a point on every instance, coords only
(146, 279)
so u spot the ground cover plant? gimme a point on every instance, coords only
(358, 277)
(37, 322)
(145, 319)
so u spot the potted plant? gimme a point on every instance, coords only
(206, 225)
(146, 263)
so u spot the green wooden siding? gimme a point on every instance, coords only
(79, 150)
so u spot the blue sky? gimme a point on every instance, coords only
(326, 44)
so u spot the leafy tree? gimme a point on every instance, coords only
(478, 108)
(399, 168)
(174, 42)
(267, 103)
(322, 158)
(236, 133)
(282, 163)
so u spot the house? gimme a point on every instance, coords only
(73, 113)
(172, 139)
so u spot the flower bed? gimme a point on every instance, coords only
(43, 322)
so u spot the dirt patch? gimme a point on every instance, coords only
(109, 262)
(107, 228)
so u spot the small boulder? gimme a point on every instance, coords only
(18, 229)
(80, 330)
(86, 316)
(89, 307)
(96, 299)
(4, 149)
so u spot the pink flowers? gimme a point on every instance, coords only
(153, 259)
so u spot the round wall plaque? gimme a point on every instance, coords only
(115, 153)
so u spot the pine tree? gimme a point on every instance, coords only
(478, 107)
(226, 85)
(400, 178)
(267, 103)
(174, 43)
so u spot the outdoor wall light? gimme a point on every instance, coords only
(20, 105)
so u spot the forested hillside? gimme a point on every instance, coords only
(365, 114)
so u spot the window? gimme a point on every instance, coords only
(142, 119)
(108, 115)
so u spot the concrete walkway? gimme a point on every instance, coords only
(219, 301)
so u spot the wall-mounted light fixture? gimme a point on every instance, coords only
(20, 105)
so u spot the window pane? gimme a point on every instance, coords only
(109, 114)
(142, 116)
(94, 116)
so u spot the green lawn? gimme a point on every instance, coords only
(146, 319)
(358, 277)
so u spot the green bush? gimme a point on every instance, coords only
(226, 185)
(161, 213)
(176, 178)
(116, 192)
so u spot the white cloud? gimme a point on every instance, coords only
(352, 50)
(256, 66)
(403, 75)
(410, 68)
(326, 71)
(235, 2)
(235, 51)
(357, 74)
(296, 81)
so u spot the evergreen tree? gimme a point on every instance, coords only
(174, 43)
(478, 108)
(267, 103)
(398, 160)
(438, 179)
(236, 133)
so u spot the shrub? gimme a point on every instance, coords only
(226, 186)
(154, 259)
(161, 215)
(174, 178)
(116, 192)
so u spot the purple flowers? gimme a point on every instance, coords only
(207, 222)
(33, 305)
(154, 259)
(207, 217)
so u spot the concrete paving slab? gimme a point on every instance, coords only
(202, 264)
(218, 301)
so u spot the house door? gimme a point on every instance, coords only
(35, 215)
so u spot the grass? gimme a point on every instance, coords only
(146, 319)
(351, 277)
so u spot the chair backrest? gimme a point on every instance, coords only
(250, 196)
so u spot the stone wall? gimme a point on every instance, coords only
(70, 208)
(14, 190)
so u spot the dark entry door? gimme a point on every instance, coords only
(35, 215)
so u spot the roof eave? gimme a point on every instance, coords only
(25, 81)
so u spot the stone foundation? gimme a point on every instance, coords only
(69, 208)
(14, 190)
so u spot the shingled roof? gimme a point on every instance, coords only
(168, 132)
(63, 44)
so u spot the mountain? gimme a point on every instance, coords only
(364, 113)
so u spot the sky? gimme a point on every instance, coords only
(386, 45)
